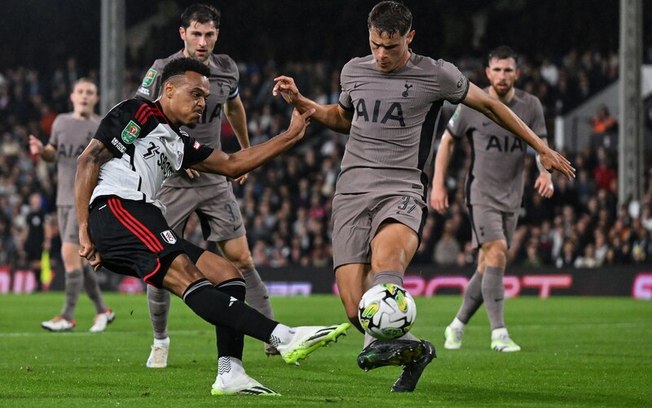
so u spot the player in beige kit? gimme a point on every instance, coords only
(71, 132)
(494, 191)
(388, 105)
(210, 196)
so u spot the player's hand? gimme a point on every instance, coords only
(192, 174)
(300, 122)
(286, 87)
(439, 199)
(35, 146)
(242, 179)
(551, 159)
(87, 249)
(544, 186)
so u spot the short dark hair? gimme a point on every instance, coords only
(390, 17)
(179, 66)
(84, 79)
(503, 52)
(201, 13)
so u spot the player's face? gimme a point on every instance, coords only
(83, 98)
(502, 75)
(390, 52)
(199, 40)
(188, 99)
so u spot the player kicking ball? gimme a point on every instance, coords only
(121, 224)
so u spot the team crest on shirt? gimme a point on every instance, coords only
(168, 236)
(130, 132)
(149, 78)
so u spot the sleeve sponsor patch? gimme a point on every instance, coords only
(130, 132)
(150, 76)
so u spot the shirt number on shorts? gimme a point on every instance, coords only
(228, 209)
(405, 203)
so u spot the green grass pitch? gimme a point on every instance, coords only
(577, 352)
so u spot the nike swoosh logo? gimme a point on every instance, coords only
(237, 227)
(356, 85)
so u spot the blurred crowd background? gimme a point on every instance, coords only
(287, 203)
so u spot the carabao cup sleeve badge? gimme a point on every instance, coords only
(130, 132)
(149, 78)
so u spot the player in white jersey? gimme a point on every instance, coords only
(71, 132)
(210, 196)
(121, 224)
(388, 105)
(494, 191)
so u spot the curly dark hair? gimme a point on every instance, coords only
(179, 66)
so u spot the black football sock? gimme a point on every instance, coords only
(230, 342)
(221, 309)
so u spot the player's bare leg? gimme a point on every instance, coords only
(392, 250)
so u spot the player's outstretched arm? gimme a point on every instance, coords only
(439, 193)
(236, 164)
(495, 110)
(331, 116)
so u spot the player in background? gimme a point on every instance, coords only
(494, 191)
(71, 132)
(388, 105)
(212, 197)
(121, 224)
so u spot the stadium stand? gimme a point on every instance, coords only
(287, 203)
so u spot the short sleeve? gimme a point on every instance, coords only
(193, 151)
(453, 84)
(151, 85)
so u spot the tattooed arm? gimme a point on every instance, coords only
(88, 171)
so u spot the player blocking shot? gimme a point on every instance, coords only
(121, 224)
(388, 106)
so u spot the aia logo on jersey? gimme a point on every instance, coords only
(507, 145)
(168, 236)
(149, 78)
(130, 132)
(377, 112)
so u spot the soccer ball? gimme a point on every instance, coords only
(387, 311)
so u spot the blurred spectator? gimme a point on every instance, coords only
(286, 204)
(602, 122)
(566, 257)
(447, 248)
(587, 260)
(34, 242)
